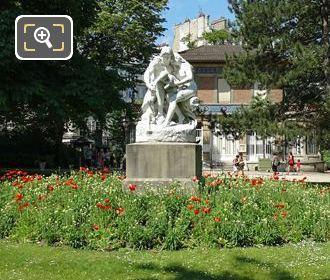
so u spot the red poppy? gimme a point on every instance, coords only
(217, 219)
(195, 198)
(284, 214)
(104, 207)
(107, 200)
(190, 206)
(95, 227)
(120, 210)
(22, 206)
(254, 182)
(69, 182)
(206, 210)
(103, 177)
(196, 211)
(50, 188)
(207, 201)
(74, 186)
(19, 196)
(132, 187)
(27, 179)
(275, 217)
(194, 179)
(219, 182)
(212, 184)
(40, 197)
(279, 206)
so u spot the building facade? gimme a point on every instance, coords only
(217, 96)
(193, 29)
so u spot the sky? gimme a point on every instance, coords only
(179, 10)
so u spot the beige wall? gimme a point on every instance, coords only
(241, 96)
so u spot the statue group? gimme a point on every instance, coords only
(170, 102)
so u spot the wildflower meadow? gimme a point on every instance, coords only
(92, 210)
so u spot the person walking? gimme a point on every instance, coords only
(275, 163)
(89, 156)
(100, 159)
(290, 163)
(235, 165)
(298, 165)
(241, 164)
(107, 158)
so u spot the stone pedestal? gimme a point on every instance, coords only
(159, 164)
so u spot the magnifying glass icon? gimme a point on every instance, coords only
(41, 35)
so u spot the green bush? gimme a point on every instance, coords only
(326, 156)
(91, 210)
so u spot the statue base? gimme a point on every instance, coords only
(182, 133)
(160, 164)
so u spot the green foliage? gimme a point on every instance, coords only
(113, 41)
(217, 37)
(191, 44)
(286, 46)
(326, 156)
(259, 118)
(91, 210)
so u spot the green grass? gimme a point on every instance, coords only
(300, 261)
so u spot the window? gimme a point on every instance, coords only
(208, 70)
(311, 148)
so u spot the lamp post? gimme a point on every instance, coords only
(202, 112)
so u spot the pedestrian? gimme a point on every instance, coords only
(100, 159)
(290, 163)
(298, 165)
(275, 163)
(88, 157)
(107, 158)
(235, 165)
(241, 164)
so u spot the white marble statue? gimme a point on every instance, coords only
(170, 102)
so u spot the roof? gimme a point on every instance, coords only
(210, 54)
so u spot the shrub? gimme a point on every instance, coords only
(92, 210)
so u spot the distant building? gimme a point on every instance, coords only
(194, 29)
(217, 96)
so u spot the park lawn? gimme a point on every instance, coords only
(300, 261)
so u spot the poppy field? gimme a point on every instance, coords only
(92, 210)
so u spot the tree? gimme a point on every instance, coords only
(113, 41)
(286, 46)
(217, 37)
(191, 44)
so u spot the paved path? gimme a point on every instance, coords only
(314, 177)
